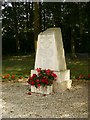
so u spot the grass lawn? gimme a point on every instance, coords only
(22, 65)
(17, 65)
(78, 66)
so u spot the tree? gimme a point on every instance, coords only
(15, 23)
(37, 21)
(17, 27)
(23, 21)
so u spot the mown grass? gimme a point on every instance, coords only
(22, 65)
(78, 66)
(17, 65)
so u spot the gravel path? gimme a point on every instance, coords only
(69, 104)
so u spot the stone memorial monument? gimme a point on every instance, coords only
(50, 55)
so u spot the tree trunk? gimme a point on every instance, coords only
(27, 17)
(16, 27)
(57, 19)
(31, 15)
(27, 24)
(44, 24)
(37, 22)
(73, 53)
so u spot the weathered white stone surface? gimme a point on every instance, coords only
(50, 55)
(50, 52)
(43, 90)
(62, 86)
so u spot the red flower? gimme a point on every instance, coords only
(38, 69)
(32, 83)
(20, 77)
(44, 77)
(48, 71)
(81, 76)
(30, 78)
(54, 75)
(37, 80)
(46, 81)
(39, 74)
(13, 76)
(8, 75)
(78, 78)
(88, 75)
(39, 85)
(43, 80)
(33, 76)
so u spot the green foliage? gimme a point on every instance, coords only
(17, 30)
(22, 21)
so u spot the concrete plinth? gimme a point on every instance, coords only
(62, 86)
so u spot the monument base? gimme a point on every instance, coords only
(62, 86)
(43, 90)
(63, 81)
